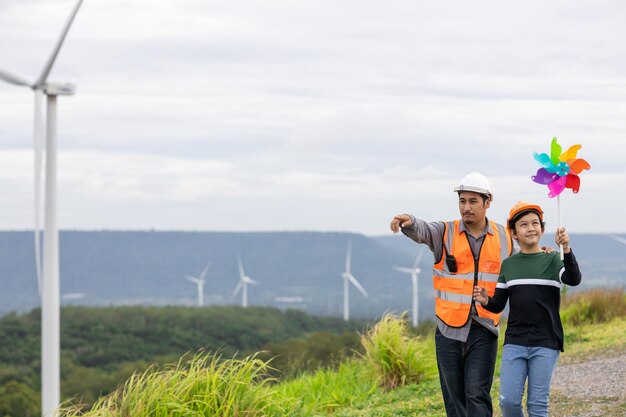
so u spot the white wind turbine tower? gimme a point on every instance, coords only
(347, 279)
(242, 286)
(48, 276)
(414, 271)
(199, 281)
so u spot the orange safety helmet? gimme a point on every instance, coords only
(520, 207)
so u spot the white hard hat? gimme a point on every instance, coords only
(476, 183)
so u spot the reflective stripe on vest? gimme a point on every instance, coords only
(450, 296)
(453, 291)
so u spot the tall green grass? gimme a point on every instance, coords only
(203, 386)
(326, 389)
(593, 306)
(394, 356)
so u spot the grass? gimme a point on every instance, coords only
(594, 339)
(582, 342)
(396, 376)
(325, 390)
(203, 385)
(593, 306)
(396, 358)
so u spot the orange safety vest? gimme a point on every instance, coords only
(454, 290)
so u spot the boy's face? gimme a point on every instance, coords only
(528, 230)
(472, 208)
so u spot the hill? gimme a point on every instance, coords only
(100, 347)
(295, 269)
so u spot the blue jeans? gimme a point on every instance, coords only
(519, 363)
(466, 372)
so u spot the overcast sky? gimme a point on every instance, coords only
(326, 115)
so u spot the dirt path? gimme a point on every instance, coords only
(592, 388)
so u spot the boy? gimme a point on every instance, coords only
(531, 281)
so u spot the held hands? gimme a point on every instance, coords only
(401, 220)
(562, 238)
(480, 295)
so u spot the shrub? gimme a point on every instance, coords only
(395, 357)
(593, 306)
(318, 350)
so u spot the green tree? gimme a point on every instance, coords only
(18, 400)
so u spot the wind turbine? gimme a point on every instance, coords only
(414, 271)
(48, 274)
(199, 281)
(349, 278)
(242, 286)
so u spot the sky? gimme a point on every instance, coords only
(322, 115)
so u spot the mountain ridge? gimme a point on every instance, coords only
(101, 268)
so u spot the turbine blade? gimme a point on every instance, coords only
(14, 78)
(419, 257)
(358, 285)
(251, 281)
(242, 273)
(237, 289)
(404, 269)
(618, 239)
(204, 271)
(48, 67)
(193, 279)
(349, 257)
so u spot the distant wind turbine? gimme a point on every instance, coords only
(199, 281)
(48, 275)
(347, 279)
(618, 238)
(414, 271)
(242, 286)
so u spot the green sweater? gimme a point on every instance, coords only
(531, 283)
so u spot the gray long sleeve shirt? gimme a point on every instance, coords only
(431, 234)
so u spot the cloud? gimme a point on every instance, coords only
(255, 114)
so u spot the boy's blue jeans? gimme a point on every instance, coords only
(518, 364)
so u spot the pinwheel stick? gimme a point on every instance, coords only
(558, 208)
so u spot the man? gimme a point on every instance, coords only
(467, 252)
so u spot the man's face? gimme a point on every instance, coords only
(472, 208)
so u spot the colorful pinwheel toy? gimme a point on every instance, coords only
(560, 170)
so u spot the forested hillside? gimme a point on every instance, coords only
(102, 346)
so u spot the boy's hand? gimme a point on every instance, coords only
(562, 238)
(401, 220)
(480, 295)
